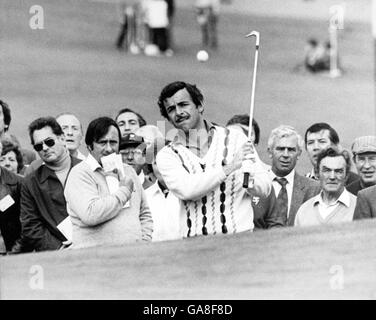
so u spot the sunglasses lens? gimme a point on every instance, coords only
(38, 147)
(49, 142)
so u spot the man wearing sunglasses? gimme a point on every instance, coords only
(106, 207)
(43, 206)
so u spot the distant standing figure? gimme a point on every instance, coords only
(317, 57)
(157, 20)
(207, 13)
(127, 38)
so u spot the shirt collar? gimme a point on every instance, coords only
(289, 177)
(92, 163)
(344, 198)
(141, 176)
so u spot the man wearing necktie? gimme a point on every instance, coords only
(291, 189)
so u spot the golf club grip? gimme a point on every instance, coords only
(246, 180)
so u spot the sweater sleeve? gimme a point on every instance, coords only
(145, 218)
(187, 185)
(85, 202)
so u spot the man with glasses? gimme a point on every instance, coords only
(43, 206)
(364, 156)
(106, 206)
(133, 150)
(72, 129)
(334, 204)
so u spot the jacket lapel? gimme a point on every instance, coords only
(296, 199)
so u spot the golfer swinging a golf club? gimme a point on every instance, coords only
(203, 167)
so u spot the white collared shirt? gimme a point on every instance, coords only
(165, 214)
(92, 163)
(326, 209)
(289, 186)
(141, 176)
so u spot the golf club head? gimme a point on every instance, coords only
(255, 34)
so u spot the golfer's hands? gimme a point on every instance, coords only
(246, 152)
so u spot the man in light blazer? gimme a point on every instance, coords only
(291, 189)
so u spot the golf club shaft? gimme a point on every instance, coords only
(257, 35)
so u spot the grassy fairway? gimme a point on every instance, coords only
(292, 263)
(72, 65)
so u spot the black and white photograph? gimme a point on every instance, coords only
(206, 151)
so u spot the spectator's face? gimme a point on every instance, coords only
(332, 174)
(72, 130)
(53, 146)
(9, 161)
(128, 123)
(134, 156)
(366, 165)
(182, 112)
(316, 142)
(106, 145)
(284, 155)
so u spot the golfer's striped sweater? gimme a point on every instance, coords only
(210, 202)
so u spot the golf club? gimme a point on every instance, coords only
(247, 164)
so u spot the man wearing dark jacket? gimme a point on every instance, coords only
(364, 155)
(43, 206)
(10, 226)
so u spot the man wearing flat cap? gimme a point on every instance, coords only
(364, 149)
(364, 156)
(133, 151)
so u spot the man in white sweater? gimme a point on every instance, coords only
(202, 167)
(101, 213)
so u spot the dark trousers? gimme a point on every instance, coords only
(159, 37)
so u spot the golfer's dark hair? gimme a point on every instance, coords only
(244, 120)
(43, 122)
(141, 120)
(6, 113)
(98, 128)
(334, 152)
(9, 146)
(169, 90)
(317, 127)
